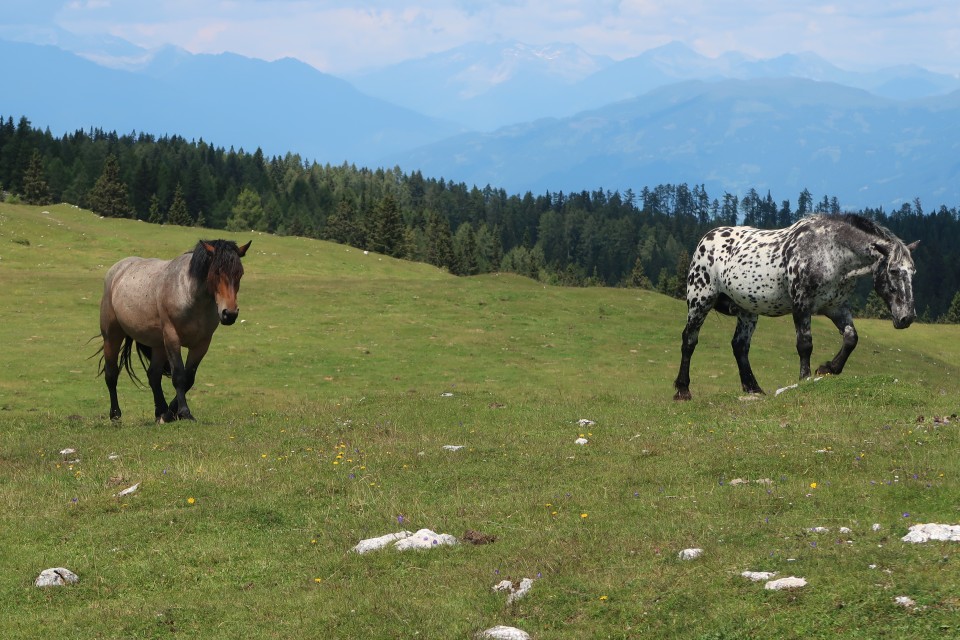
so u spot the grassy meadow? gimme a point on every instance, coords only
(322, 418)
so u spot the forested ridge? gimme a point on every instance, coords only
(584, 238)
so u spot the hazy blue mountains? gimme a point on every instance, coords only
(782, 135)
(228, 100)
(530, 118)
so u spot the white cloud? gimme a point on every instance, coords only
(342, 35)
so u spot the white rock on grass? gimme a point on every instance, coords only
(785, 583)
(757, 576)
(690, 554)
(373, 544)
(425, 539)
(56, 577)
(502, 632)
(516, 591)
(933, 531)
(905, 601)
(581, 441)
(127, 491)
(452, 447)
(585, 422)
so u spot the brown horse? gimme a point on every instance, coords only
(163, 305)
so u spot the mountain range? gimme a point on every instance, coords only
(533, 118)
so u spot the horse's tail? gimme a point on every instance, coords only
(144, 353)
(126, 361)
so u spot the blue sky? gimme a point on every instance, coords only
(342, 36)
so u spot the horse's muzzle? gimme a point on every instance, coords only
(228, 317)
(904, 322)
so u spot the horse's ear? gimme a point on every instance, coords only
(243, 250)
(913, 245)
(209, 247)
(882, 248)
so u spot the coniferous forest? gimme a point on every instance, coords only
(587, 238)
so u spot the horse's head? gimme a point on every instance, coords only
(893, 280)
(223, 276)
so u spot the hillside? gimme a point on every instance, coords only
(323, 417)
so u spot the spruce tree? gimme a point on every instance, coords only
(155, 216)
(35, 188)
(108, 197)
(953, 313)
(178, 213)
(388, 228)
(439, 242)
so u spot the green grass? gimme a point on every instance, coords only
(321, 420)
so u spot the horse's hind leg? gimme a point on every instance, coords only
(697, 309)
(111, 374)
(844, 322)
(746, 323)
(113, 338)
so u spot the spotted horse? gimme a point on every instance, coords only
(808, 268)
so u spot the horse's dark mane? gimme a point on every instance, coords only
(866, 225)
(226, 259)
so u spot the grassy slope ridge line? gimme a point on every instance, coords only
(322, 419)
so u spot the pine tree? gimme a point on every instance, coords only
(387, 237)
(108, 197)
(638, 278)
(178, 213)
(953, 313)
(246, 212)
(439, 242)
(465, 250)
(35, 188)
(875, 307)
(155, 216)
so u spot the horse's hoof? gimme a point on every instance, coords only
(681, 396)
(166, 417)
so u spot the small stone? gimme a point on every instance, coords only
(501, 632)
(56, 577)
(785, 583)
(584, 422)
(517, 590)
(690, 554)
(425, 539)
(933, 531)
(757, 576)
(452, 447)
(905, 601)
(581, 441)
(372, 544)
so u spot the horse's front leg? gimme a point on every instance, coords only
(184, 375)
(801, 321)
(746, 323)
(158, 361)
(843, 320)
